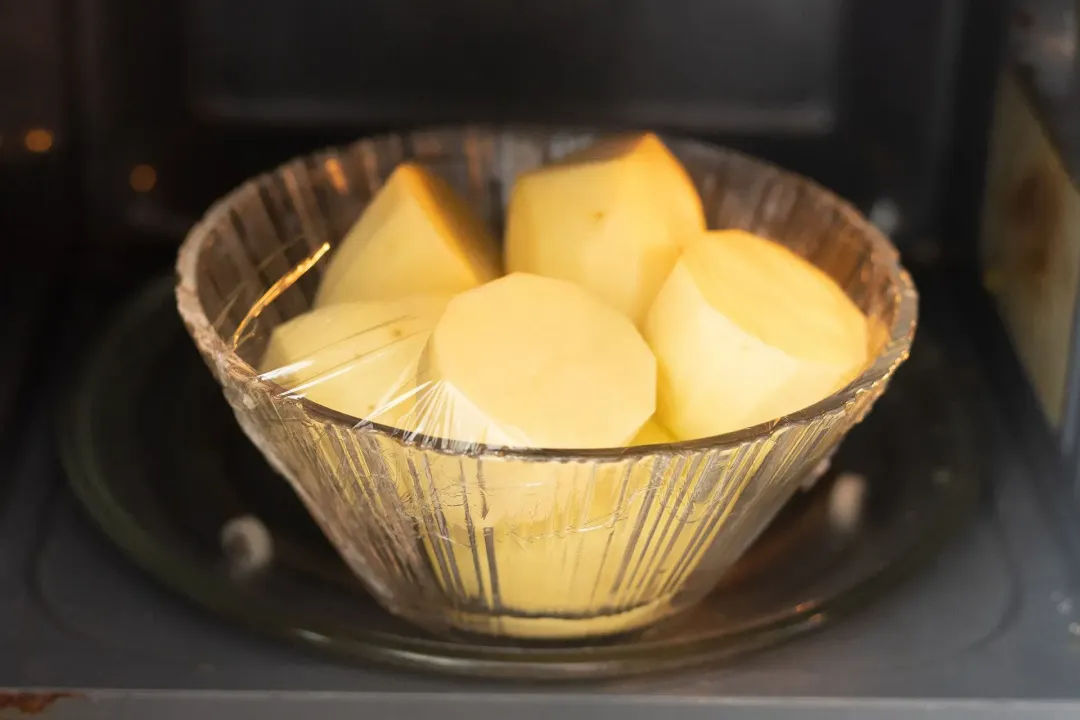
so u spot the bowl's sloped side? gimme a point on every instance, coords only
(531, 548)
(522, 543)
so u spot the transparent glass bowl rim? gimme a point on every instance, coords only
(893, 352)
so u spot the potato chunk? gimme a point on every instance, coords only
(746, 331)
(356, 358)
(611, 218)
(530, 361)
(416, 237)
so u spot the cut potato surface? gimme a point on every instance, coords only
(675, 188)
(746, 331)
(611, 218)
(356, 358)
(416, 237)
(530, 361)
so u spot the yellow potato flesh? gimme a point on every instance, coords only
(611, 218)
(652, 433)
(746, 331)
(416, 237)
(357, 358)
(531, 361)
(673, 184)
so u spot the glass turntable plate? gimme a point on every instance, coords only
(154, 453)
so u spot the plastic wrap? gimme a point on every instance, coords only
(458, 522)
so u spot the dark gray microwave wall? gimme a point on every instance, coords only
(863, 95)
(700, 66)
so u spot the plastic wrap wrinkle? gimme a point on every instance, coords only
(479, 535)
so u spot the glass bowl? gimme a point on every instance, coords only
(533, 544)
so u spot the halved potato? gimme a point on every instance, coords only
(530, 361)
(416, 237)
(746, 331)
(356, 358)
(611, 218)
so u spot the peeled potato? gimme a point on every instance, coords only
(416, 237)
(674, 187)
(746, 331)
(356, 358)
(611, 218)
(530, 361)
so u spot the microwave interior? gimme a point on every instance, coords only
(932, 569)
